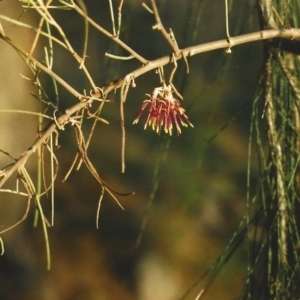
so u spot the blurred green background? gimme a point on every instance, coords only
(196, 182)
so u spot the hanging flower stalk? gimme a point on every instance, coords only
(164, 111)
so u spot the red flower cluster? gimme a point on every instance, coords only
(164, 110)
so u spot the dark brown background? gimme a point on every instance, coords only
(201, 196)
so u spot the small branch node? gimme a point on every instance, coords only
(97, 93)
(59, 126)
(228, 50)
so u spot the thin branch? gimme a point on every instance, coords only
(290, 34)
(228, 50)
(86, 32)
(119, 17)
(82, 150)
(42, 137)
(51, 38)
(34, 63)
(49, 18)
(17, 111)
(112, 16)
(1, 246)
(38, 32)
(119, 57)
(161, 27)
(124, 91)
(43, 33)
(65, 117)
(227, 20)
(108, 34)
(147, 8)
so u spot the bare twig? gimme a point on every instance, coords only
(161, 27)
(119, 16)
(43, 33)
(82, 150)
(35, 64)
(228, 50)
(174, 69)
(227, 20)
(38, 32)
(23, 217)
(112, 16)
(1, 246)
(124, 90)
(119, 57)
(86, 31)
(112, 36)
